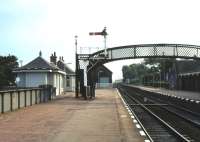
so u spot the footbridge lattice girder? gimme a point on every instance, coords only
(151, 50)
(137, 51)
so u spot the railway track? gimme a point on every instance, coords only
(159, 121)
(182, 103)
(179, 110)
(188, 115)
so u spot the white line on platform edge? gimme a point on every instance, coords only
(142, 133)
(138, 126)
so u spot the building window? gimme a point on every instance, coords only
(68, 81)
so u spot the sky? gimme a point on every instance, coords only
(28, 26)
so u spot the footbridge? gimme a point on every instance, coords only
(87, 63)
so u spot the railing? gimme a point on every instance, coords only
(11, 100)
(150, 50)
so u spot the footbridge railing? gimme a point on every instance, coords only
(150, 50)
(88, 62)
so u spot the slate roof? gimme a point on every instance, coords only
(38, 64)
(68, 70)
(106, 69)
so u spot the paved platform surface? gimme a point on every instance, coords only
(71, 120)
(185, 94)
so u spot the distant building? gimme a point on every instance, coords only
(103, 77)
(40, 72)
(70, 75)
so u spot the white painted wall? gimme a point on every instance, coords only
(58, 82)
(35, 79)
(22, 80)
(71, 87)
(61, 79)
(73, 83)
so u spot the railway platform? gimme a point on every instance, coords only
(187, 95)
(104, 119)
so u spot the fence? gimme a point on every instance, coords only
(11, 100)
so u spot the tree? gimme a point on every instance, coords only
(7, 64)
(159, 65)
(134, 72)
(150, 67)
(127, 73)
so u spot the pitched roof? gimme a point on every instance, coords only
(68, 70)
(106, 68)
(38, 64)
(61, 65)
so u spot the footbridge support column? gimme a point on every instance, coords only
(91, 82)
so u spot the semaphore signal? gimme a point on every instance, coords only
(102, 33)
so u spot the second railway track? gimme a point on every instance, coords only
(161, 124)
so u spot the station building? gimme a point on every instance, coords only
(41, 72)
(103, 77)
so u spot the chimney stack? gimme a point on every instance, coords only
(53, 58)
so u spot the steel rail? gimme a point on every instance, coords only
(159, 119)
(165, 123)
(178, 103)
(143, 128)
(190, 114)
(196, 124)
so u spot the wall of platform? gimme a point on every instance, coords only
(189, 81)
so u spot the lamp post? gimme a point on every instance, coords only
(76, 68)
(105, 34)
